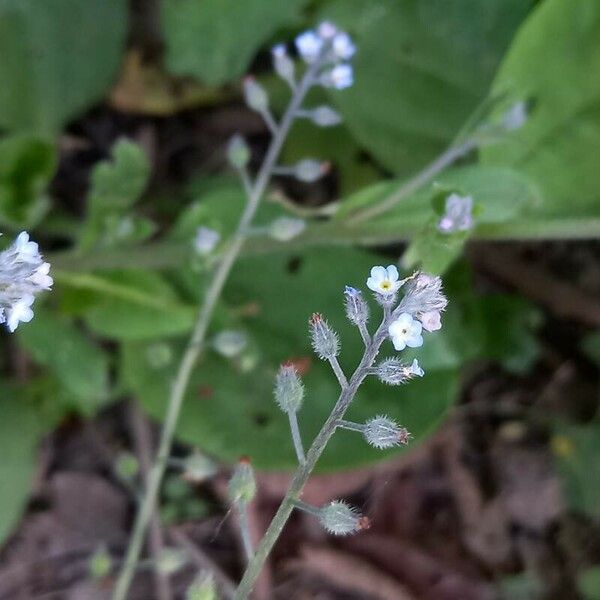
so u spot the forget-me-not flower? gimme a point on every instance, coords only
(384, 280)
(406, 331)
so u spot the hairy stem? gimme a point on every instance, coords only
(196, 341)
(298, 447)
(245, 530)
(305, 469)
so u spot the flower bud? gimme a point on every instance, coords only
(381, 432)
(255, 95)
(198, 468)
(324, 339)
(202, 588)
(283, 64)
(170, 560)
(285, 229)
(289, 390)
(422, 294)
(100, 563)
(325, 116)
(357, 310)
(230, 343)
(309, 170)
(238, 153)
(206, 240)
(127, 466)
(394, 372)
(339, 518)
(242, 485)
(159, 355)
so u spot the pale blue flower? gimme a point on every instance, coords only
(19, 312)
(343, 47)
(309, 45)
(206, 240)
(384, 280)
(340, 77)
(406, 331)
(415, 369)
(458, 215)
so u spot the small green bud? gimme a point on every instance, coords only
(289, 390)
(170, 561)
(238, 153)
(198, 468)
(159, 355)
(242, 485)
(100, 563)
(325, 116)
(255, 95)
(230, 343)
(202, 588)
(127, 466)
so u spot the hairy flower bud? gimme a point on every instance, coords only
(238, 153)
(255, 95)
(309, 170)
(339, 518)
(283, 64)
(422, 294)
(325, 340)
(289, 390)
(357, 309)
(325, 116)
(381, 433)
(285, 229)
(242, 485)
(394, 372)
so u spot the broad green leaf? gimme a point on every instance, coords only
(115, 186)
(19, 434)
(129, 304)
(422, 67)
(215, 40)
(79, 364)
(229, 409)
(26, 165)
(588, 583)
(577, 449)
(58, 58)
(554, 61)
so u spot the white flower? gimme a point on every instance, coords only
(26, 251)
(206, 240)
(327, 30)
(458, 214)
(285, 229)
(431, 320)
(309, 46)
(41, 277)
(340, 77)
(20, 311)
(415, 369)
(384, 280)
(406, 331)
(343, 47)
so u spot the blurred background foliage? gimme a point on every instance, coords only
(126, 278)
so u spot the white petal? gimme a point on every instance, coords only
(415, 341)
(392, 273)
(398, 342)
(378, 273)
(373, 284)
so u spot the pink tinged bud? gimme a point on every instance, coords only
(338, 518)
(431, 320)
(382, 432)
(324, 339)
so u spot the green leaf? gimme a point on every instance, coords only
(19, 434)
(59, 57)
(215, 40)
(588, 583)
(422, 67)
(129, 305)
(577, 449)
(79, 364)
(552, 62)
(115, 186)
(229, 409)
(591, 346)
(26, 165)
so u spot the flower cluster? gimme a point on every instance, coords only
(23, 274)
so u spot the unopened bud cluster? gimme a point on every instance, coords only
(339, 518)
(289, 390)
(325, 341)
(23, 275)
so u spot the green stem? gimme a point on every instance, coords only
(196, 341)
(242, 509)
(305, 469)
(296, 437)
